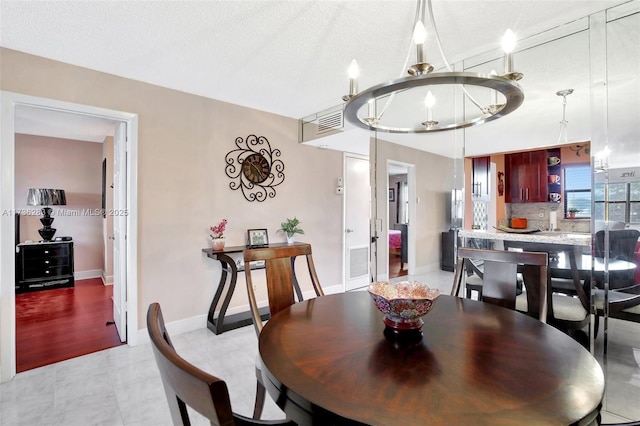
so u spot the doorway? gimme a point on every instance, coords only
(127, 242)
(398, 217)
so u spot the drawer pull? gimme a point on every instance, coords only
(46, 252)
(47, 272)
(46, 261)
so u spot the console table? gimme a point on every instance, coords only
(227, 284)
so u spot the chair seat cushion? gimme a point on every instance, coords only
(633, 310)
(568, 308)
(565, 308)
(615, 296)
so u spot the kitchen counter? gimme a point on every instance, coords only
(571, 238)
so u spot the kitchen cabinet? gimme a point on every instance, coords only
(44, 265)
(481, 177)
(526, 177)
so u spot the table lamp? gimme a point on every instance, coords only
(46, 198)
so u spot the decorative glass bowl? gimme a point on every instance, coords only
(403, 303)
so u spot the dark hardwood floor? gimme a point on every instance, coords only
(58, 324)
(395, 269)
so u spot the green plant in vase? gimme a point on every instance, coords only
(290, 228)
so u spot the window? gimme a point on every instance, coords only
(624, 202)
(577, 190)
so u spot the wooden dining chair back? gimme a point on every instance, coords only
(280, 277)
(569, 299)
(622, 246)
(282, 290)
(500, 278)
(186, 385)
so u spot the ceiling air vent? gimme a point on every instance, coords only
(330, 122)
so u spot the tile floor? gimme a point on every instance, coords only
(121, 386)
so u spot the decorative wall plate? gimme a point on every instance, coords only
(254, 168)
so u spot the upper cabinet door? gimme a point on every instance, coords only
(526, 177)
(481, 177)
(537, 177)
(514, 165)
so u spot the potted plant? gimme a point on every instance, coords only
(572, 212)
(217, 235)
(290, 228)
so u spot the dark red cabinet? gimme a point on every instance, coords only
(481, 172)
(526, 177)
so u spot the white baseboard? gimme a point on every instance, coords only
(176, 328)
(106, 280)
(425, 269)
(198, 322)
(85, 275)
(339, 288)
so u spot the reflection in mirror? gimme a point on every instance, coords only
(597, 57)
(617, 204)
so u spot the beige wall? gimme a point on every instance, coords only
(434, 182)
(75, 166)
(182, 186)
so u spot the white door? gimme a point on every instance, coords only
(119, 230)
(357, 239)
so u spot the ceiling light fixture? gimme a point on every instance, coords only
(562, 137)
(421, 75)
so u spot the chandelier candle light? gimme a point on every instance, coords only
(420, 74)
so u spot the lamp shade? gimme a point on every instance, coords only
(46, 197)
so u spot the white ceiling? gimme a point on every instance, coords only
(286, 57)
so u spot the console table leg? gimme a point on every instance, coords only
(217, 324)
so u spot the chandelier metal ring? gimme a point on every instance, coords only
(514, 96)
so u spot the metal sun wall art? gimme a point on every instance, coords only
(254, 168)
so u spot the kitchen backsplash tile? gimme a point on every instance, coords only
(531, 211)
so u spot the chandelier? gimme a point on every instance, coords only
(504, 93)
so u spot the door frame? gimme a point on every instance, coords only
(8, 103)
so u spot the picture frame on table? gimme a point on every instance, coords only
(392, 194)
(257, 238)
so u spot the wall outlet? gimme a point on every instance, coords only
(540, 213)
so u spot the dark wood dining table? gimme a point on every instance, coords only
(326, 362)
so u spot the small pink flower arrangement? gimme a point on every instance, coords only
(218, 230)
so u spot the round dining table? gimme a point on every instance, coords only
(326, 361)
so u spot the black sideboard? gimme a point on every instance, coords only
(44, 265)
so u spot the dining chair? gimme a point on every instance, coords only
(500, 286)
(569, 300)
(622, 305)
(622, 246)
(281, 281)
(186, 385)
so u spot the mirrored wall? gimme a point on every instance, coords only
(599, 58)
